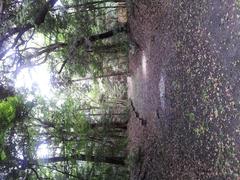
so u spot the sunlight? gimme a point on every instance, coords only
(37, 41)
(161, 87)
(59, 3)
(42, 151)
(59, 7)
(144, 65)
(35, 79)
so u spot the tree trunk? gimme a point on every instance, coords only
(111, 125)
(41, 14)
(92, 4)
(107, 114)
(23, 164)
(102, 76)
(110, 48)
(82, 157)
(108, 34)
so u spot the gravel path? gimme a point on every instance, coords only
(180, 74)
(147, 88)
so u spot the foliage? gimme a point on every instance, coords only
(85, 132)
(9, 114)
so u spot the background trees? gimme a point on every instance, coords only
(83, 122)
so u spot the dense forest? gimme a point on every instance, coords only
(63, 93)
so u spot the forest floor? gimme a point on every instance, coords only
(145, 89)
(180, 49)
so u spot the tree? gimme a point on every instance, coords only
(76, 35)
(18, 36)
(20, 30)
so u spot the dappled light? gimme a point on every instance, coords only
(162, 90)
(144, 65)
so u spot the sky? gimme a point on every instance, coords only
(35, 78)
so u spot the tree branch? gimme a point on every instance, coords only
(43, 12)
(39, 19)
(96, 37)
(36, 173)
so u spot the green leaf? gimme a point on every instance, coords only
(3, 156)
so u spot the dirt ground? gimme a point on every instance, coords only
(146, 62)
(180, 47)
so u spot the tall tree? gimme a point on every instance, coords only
(74, 33)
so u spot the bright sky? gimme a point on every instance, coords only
(58, 3)
(42, 151)
(36, 78)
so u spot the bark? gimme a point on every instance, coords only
(82, 157)
(112, 125)
(106, 114)
(110, 48)
(89, 108)
(40, 17)
(48, 49)
(23, 164)
(108, 34)
(102, 76)
(92, 4)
